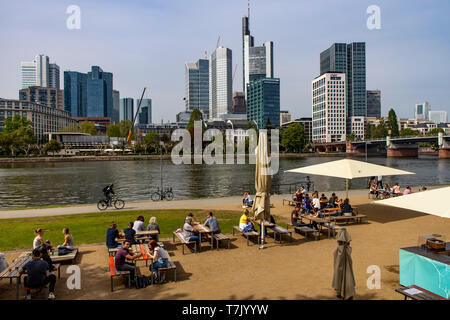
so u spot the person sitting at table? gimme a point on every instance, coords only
(160, 260)
(39, 240)
(153, 225)
(139, 225)
(189, 233)
(298, 196)
(332, 201)
(68, 240)
(386, 190)
(308, 205)
(212, 223)
(323, 201)
(407, 190)
(130, 233)
(122, 255)
(46, 257)
(245, 225)
(346, 208)
(316, 201)
(37, 271)
(189, 215)
(396, 190)
(111, 235)
(315, 214)
(247, 200)
(295, 216)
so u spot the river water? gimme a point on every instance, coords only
(63, 183)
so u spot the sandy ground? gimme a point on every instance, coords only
(302, 269)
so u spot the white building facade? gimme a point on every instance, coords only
(421, 111)
(329, 107)
(437, 116)
(40, 72)
(220, 83)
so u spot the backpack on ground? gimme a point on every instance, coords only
(142, 282)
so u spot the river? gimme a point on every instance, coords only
(64, 183)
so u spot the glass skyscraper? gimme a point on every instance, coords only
(145, 112)
(351, 60)
(263, 101)
(220, 82)
(374, 103)
(197, 85)
(75, 98)
(126, 109)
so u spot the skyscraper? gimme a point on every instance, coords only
(263, 101)
(257, 61)
(145, 112)
(437, 116)
(126, 109)
(39, 72)
(220, 82)
(197, 85)
(116, 107)
(351, 60)
(421, 111)
(374, 103)
(89, 95)
(50, 97)
(239, 103)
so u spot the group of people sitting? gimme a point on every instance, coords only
(377, 188)
(40, 270)
(247, 200)
(309, 203)
(130, 232)
(191, 234)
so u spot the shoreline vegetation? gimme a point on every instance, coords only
(168, 157)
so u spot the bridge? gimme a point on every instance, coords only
(391, 146)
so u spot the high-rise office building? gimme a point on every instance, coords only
(220, 82)
(89, 95)
(126, 109)
(53, 76)
(263, 101)
(437, 116)
(145, 112)
(374, 103)
(115, 118)
(197, 85)
(421, 111)
(257, 61)
(50, 97)
(285, 116)
(39, 72)
(329, 119)
(351, 60)
(239, 103)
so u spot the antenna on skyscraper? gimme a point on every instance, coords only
(206, 54)
(218, 41)
(249, 11)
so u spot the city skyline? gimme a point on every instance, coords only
(406, 60)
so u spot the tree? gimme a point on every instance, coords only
(16, 123)
(17, 135)
(408, 132)
(125, 126)
(113, 130)
(392, 123)
(380, 131)
(196, 115)
(435, 132)
(351, 137)
(51, 146)
(293, 138)
(368, 131)
(88, 127)
(151, 141)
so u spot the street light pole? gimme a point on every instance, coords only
(160, 169)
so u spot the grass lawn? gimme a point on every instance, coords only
(91, 227)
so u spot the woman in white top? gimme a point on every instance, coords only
(39, 241)
(316, 201)
(160, 260)
(139, 225)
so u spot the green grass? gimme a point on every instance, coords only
(91, 228)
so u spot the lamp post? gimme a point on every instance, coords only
(160, 167)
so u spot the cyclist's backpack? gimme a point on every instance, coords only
(142, 282)
(105, 189)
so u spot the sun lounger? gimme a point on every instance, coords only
(220, 237)
(116, 273)
(247, 234)
(183, 241)
(280, 231)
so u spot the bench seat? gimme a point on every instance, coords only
(220, 237)
(280, 231)
(172, 266)
(116, 273)
(247, 235)
(183, 241)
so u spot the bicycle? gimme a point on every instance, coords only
(103, 204)
(162, 194)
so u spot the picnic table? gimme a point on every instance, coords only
(12, 272)
(202, 229)
(417, 293)
(64, 258)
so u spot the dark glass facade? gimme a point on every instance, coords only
(75, 98)
(263, 101)
(374, 103)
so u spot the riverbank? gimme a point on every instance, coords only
(211, 274)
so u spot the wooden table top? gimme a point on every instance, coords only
(13, 270)
(202, 228)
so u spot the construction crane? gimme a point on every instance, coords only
(135, 116)
(218, 41)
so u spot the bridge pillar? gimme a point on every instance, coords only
(402, 150)
(444, 150)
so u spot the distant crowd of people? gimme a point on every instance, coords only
(377, 188)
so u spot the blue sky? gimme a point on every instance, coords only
(146, 43)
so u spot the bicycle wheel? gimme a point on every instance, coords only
(169, 195)
(119, 204)
(102, 205)
(156, 196)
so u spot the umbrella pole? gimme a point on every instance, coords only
(262, 235)
(346, 188)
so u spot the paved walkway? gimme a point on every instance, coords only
(148, 205)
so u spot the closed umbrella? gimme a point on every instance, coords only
(433, 202)
(349, 169)
(343, 278)
(263, 180)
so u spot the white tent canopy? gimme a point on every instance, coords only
(349, 169)
(433, 202)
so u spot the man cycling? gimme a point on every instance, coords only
(107, 191)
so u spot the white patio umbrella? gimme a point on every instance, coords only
(349, 169)
(433, 202)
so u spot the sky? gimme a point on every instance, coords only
(148, 42)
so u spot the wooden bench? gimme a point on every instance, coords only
(220, 237)
(306, 230)
(247, 234)
(183, 241)
(357, 219)
(419, 293)
(171, 266)
(291, 202)
(332, 227)
(70, 257)
(116, 273)
(280, 231)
